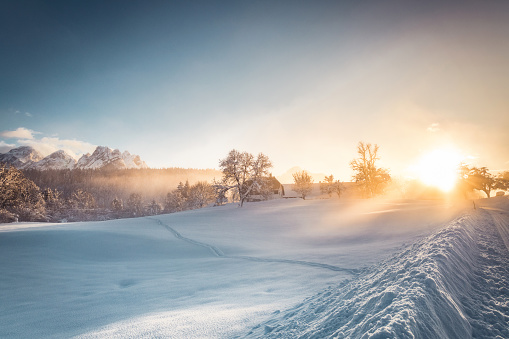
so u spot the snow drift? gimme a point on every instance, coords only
(451, 284)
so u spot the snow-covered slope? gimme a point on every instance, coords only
(298, 268)
(57, 160)
(21, 157)
(106, 157)
(451, 284)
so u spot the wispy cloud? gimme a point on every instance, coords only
(48, 145)
(5, 147)
(20, 133)
(28, 114)
(434, 127)
(45, 145)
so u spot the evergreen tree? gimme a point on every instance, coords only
(134, 204)
(20, 198)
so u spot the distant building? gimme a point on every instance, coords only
(272, 190)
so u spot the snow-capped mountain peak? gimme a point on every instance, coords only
(56, 160)
(21, 157)
(106, 157)
(26, 157)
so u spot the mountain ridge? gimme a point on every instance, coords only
(26, 157)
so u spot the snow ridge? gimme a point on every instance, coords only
(451, 284)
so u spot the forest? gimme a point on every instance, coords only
(76, 195)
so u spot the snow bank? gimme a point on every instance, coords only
(451, 284)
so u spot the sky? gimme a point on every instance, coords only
(183, 83)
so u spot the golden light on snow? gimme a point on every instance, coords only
(439, 168)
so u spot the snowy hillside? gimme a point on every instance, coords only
(451, 284)
(281, 268)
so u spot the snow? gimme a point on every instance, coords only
(451, 284)
(57, 160)
(281, 268)
(26, 157)
(104, 156)
(21, 157)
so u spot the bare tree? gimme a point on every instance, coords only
(370, 178)
(326, 185)
(303, 183)
(479, 178)
(200, 194)
(483, 180)
(243, 172)
(329, 186)
(220, 192)
(503, 181)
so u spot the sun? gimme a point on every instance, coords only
(439, 168)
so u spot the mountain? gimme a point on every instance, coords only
(287, 178)
(57, 160)
(21, 157)
(106, 157)
(133, 161)
(26, 157)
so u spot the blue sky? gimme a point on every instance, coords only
(182, 83)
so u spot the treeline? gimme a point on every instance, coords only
(106, 185)
(83, 195)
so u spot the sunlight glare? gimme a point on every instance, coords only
(439, 168)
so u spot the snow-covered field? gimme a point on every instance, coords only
(282, 268)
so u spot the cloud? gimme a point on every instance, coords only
(48, 145)
(45, 145)
(28, 114)
(5, 147)
(20, 133)
(434, 127)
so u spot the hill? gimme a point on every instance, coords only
(281, 268)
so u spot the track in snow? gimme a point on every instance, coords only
(500, 222)
(218, 253)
